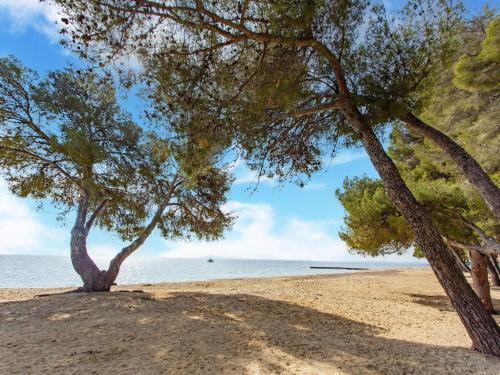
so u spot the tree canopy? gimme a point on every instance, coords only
(65, 140)
(373, 225)
(263, 71)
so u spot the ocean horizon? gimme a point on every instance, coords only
(49, 271)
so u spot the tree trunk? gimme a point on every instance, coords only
(94, 280)
(479, 272)
(465, 162)
(494, 271)
(482, 328)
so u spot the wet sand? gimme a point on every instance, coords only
(383, 322)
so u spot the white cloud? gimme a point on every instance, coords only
(21, 232)
(256, 235)
(244, 175)
(345, 157)
(22, 14)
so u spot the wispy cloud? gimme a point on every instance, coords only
(22, 14)
(21, 230)
(345, 157)
(258, 235)
(244, 175)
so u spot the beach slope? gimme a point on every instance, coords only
(384, 322)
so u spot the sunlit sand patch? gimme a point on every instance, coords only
(301, 327)
(234, 317)
(146, 320)
(197, 317)
(275, 360)
(284, 330)
(59, 317)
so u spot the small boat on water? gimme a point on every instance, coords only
(210, 260)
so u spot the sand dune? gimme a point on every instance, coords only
(390, 322)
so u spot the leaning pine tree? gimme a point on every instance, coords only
(284, 82)
(374, 227)
(402, 83)
(65, 139)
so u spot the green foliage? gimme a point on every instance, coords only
(244, 93)
(261, 75)
(373, 225)
(400, 54)
(471, 118)
(481, 71)
(65, 136)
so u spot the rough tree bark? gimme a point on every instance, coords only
(479, 272)
(482, 328)
(465, 162)
(92, 276)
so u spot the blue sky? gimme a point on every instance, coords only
(274, 222)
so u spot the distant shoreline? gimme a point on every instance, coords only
(163, 284)
(57, 271)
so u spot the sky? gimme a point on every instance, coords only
(274, 222)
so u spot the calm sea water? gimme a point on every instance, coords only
(26, 271)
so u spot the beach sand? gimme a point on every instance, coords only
(384, 322)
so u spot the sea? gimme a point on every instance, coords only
(39, 271)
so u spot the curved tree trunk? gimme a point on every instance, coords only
(93, 278)
(465, 162)
(482, 328)
(494, 271)
(83, 264)
(479, 272)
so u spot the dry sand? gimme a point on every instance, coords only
(391, 322)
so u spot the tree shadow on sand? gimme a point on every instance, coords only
(442, 303)
(202, 333)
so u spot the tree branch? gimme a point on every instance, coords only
(37, 157)
(337, 104)
(95, 214)
(114, 265)
(468, 247)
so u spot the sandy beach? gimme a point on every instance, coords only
(384, 322)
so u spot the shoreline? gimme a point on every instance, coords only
(166, 284)
(57, 271)
(365, 322)
(343, 272)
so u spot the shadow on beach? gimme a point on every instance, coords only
(202, 333)
(442, 303)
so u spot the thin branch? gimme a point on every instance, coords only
(37, 157)
(95, 214)
(468, 247)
